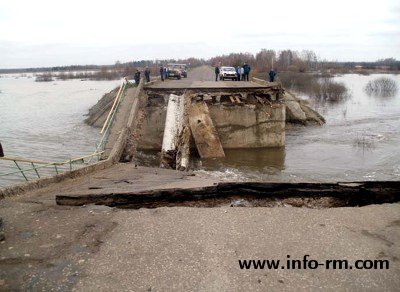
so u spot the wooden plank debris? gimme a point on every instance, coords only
(260, 100)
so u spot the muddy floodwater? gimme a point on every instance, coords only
(360, 140)
(44, 120)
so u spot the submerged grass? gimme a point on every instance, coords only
(320, 87)
(383, 87)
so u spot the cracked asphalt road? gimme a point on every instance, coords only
(97, 248)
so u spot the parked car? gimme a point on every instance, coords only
(183, 68)
(227, 73)
(173, 71)
(177, 70)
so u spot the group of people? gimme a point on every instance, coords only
(243, 73)
(136, 76)
(163, 73)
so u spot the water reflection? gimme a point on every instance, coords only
(322, 89)
(270, 160)
(267, 160)
(381, 87)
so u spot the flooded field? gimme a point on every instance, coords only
(360, 140)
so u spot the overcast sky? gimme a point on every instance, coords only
(66, 32)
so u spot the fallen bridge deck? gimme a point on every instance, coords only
(127, 186)
(182, 85)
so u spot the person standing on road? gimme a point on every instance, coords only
(165, 72)
(246, 71)
(137, 77)
(162, 73)
(238, 72)
(147, 74)
(216, 73)
(242, 73)
(272, 75)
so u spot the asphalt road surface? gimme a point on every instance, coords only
(202, 76)
(97, 248)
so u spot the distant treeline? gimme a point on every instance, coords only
(102, 74)
(294, 61)
(389, 64)
(264, 60)
(128, 67)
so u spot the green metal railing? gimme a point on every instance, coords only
(105, 130)
(37, 165)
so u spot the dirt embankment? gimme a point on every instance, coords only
(98, 113)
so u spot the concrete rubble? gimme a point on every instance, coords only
(297, 111)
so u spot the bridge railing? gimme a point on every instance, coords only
(35, 169)
(105, 130)
(40, 169)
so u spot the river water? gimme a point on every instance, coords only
(360, 141)
(44, 120)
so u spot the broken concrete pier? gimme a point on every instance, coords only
(249, 116)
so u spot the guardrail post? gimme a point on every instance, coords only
(33, 165)
(21, 170)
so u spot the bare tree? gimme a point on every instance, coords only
(310, 58)
(265, 59)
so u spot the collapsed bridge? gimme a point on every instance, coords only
(209, 117)
(200, 117)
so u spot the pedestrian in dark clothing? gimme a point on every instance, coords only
(137, 77)
(216, 73)
(1, 151)
(166, 73)
(147, 74)
(162, 73)
(272, 75)
(246, 71)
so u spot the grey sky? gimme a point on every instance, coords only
(49, 33)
